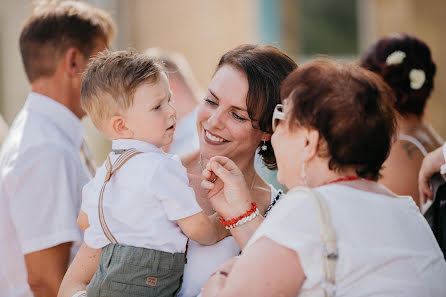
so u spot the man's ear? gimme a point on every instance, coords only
(74, 61)
(119, 127)
(311, 144)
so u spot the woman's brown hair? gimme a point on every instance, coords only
(266, 67)
(351, 107)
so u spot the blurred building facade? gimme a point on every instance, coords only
(203, 30)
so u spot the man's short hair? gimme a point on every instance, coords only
(55, 26)
(110, 82)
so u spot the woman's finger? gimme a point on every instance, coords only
(228, 164)
(221, 172)
(205, 184)
(206, 173)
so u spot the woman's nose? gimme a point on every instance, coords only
(216, 119)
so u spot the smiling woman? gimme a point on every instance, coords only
(234, 120)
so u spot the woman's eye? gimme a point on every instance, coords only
(209, 101)
(236, 116)
(157, 107)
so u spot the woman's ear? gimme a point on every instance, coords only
(266, 136)
(311, 144)
(119, 127)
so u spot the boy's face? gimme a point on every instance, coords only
(152, 118)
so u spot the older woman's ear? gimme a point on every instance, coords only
(311, 144)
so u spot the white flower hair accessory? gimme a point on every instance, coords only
(395, 58)
(417, 78)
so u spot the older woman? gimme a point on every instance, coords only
(348, 236)
(233, 120)
(406, 64)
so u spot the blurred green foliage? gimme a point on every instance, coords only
(328, 27)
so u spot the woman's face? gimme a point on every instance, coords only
(288, 147)
(223, 124)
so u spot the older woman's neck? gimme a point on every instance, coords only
(319, 173)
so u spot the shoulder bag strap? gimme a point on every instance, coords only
(329, 241)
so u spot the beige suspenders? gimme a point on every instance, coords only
(111, 169)
(329, 242)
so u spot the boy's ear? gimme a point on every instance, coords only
(119, 127)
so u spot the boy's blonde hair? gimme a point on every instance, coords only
(110, 82)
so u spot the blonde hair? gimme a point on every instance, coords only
(110, 82)
(55, 26)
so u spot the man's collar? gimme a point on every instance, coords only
(59, 114)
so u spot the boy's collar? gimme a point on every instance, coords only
(139, 145)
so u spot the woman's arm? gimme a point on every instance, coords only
(431, 164)
(264, 269)
(80, 272)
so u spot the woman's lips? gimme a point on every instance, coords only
(212, 138)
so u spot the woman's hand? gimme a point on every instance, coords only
(229, 194)
(431, 164)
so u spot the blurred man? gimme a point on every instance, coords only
(41, 170)
(185, 97)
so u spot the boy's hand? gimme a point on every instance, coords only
(82, 220)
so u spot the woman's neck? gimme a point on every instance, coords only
(319, 173)
(408, 121)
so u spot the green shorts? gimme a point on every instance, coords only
(126, 271)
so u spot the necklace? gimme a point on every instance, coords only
(341, 179)
(200, 162)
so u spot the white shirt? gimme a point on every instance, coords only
(185, 139)
(203, 260)
(41, 180)
(386, 247)
(142, 200)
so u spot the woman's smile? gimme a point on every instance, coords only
(211, 138)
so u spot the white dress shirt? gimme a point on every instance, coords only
(142, 200)
(41, 180)
(386, 248)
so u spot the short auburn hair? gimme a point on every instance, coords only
(351, 107)
(265, 67)
(417, 56)
(55, 26)
(110, 82)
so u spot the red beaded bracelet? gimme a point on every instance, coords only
(231, 223)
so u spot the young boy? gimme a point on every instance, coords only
(139, 206)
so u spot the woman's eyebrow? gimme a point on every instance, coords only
(233, 106)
